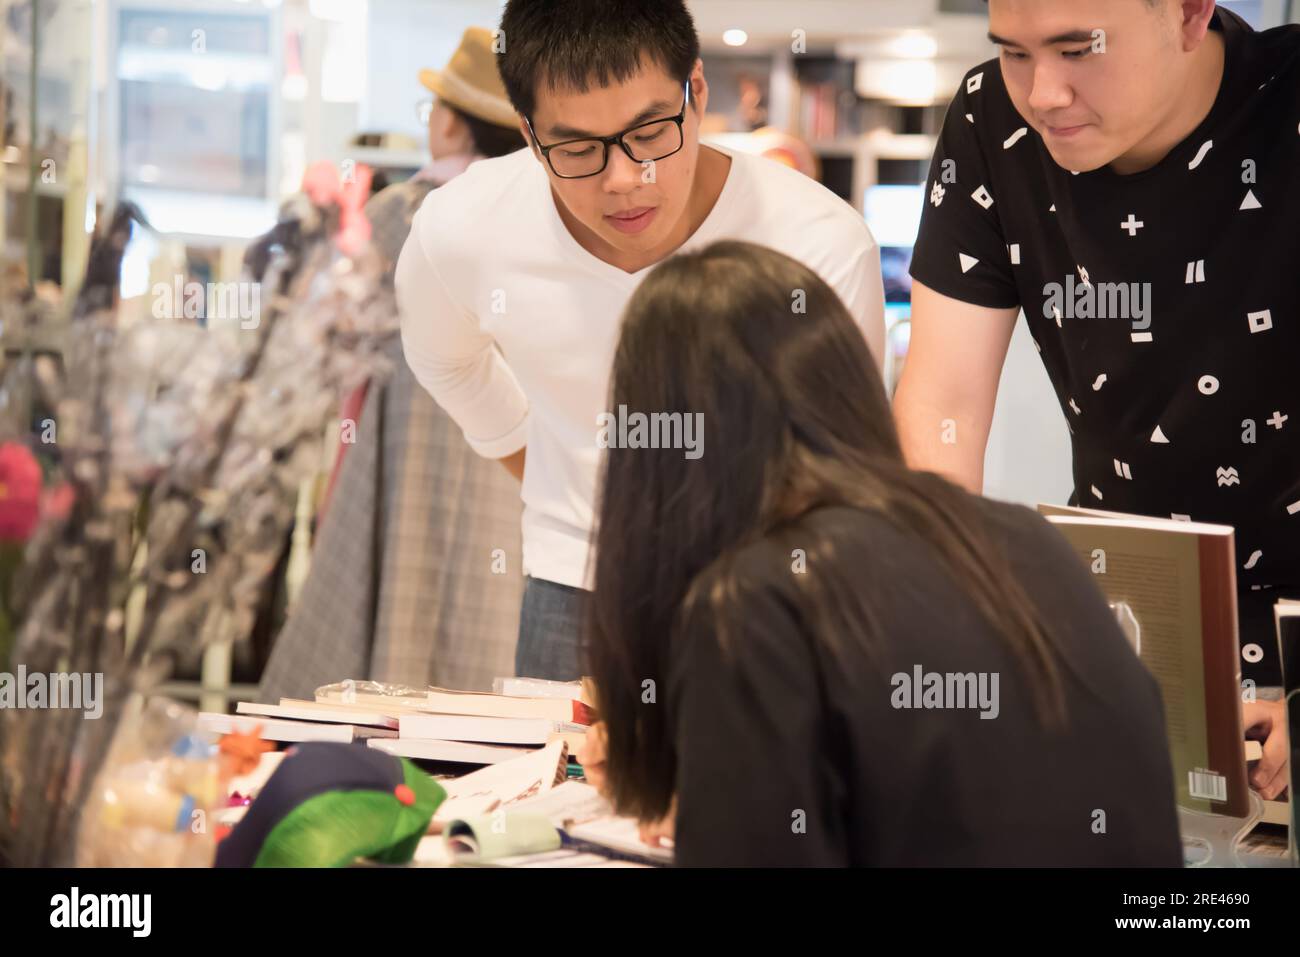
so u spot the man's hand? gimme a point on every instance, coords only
(1265, 721)
(660, 833)
(592, 758)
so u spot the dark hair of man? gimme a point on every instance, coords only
(797, 420)
(489, 139)
(572, 44)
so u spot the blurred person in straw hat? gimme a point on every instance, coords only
(468, 118)
(397, 591)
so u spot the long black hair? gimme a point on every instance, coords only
(795, 419)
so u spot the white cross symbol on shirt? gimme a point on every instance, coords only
(1132, 225)
(1278, 420)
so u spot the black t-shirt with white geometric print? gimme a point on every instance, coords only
(1186, 403)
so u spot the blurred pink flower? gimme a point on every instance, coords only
(20, 492)
(325, 187)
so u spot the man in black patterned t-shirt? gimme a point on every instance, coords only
(1128, 174)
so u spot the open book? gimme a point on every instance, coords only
(572, 815)
(504, 784)
(527, 807)
(1180, 580)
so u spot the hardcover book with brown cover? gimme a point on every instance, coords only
(1180, 580)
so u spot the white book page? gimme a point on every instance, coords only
(572, 802)
(511, 781)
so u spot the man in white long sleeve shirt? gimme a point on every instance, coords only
(513, 280)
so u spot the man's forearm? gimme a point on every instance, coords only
(936, 439)
(945, 400)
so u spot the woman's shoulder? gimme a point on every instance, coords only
(1034, 547)
(1009, 526)
(1037, 554)
(1018, 524)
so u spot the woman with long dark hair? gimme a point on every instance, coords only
(821, 655)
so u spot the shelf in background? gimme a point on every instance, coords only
(840, 147)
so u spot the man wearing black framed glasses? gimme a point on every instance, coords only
(514, 278)
(646, 142)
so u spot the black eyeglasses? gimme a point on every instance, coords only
(644, 143)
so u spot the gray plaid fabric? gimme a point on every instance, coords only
(390, 212)
(416, 572)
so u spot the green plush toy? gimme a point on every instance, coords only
(329, 804)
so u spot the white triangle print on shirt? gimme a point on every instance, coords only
(974, 83)
(1158, 436)
(967, 262)
(1250, 202)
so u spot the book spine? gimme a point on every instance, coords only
(1220, 656)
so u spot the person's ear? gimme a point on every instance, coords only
(699, 89)
(440, 118)
(456, 130)
(528, 137)
(1196, 17)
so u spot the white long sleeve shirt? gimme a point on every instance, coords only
(511, 325)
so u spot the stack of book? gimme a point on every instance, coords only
(470, 728)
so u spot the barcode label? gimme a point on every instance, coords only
(1207, 785)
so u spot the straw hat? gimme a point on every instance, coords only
(470, 81)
